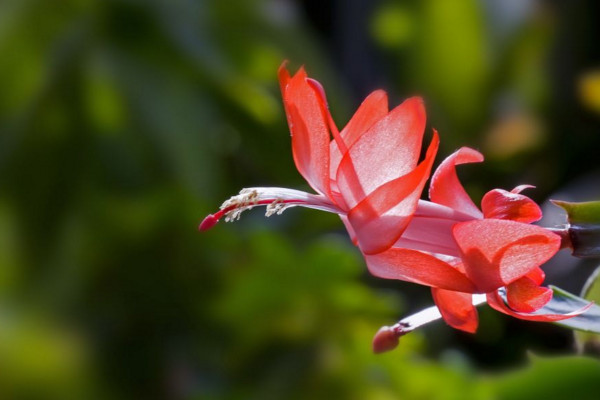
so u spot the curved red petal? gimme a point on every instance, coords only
(417, 267)
(501, 204)
(445, 187)
(520, 188)
(497, 252)
(381, 217)
(372, 109)
(386, 151)
(537, 275)
(457, 309)
(284, 78)
(496, 302)
(525, 295)
(309, 129)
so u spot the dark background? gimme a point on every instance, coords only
(123, 123)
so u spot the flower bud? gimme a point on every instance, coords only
(386, 339)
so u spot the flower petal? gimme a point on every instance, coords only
(380, 218)
(501, 204)
(386, 151)
(537, 275)
(457, 309)
(284, 78)
(309, 129)
(497, 252)
(497, 303)
(434, 234)
(525, 295)
(520, 188)
(417, 267)
(350, 229)
(372, 109)
(445, 187)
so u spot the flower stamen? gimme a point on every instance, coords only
(277, 200)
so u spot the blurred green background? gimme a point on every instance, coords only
(123, 123)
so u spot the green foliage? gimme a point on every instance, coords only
(551, 378)
(589, 342)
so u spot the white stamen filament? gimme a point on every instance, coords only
(428, 315)
(276, 200)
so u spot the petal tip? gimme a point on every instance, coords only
(520, 188)
(318, 88)
(416, 100)
(418, 105)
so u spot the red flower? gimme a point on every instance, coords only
(368, 173)
(459, 250)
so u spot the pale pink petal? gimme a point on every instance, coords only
(309, 129)
(445, 187)
(525, 295)
(336, 197)
(497, 252)
(501, 204)
(380, 218)
(520, 188)
(372, 109)
(426, 246)
(496, 302)
(431, 230)
(457, 309)
(434, 210)
(386, 151)
(417, 267)
(350, 229)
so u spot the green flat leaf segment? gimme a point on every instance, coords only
(564, 302)
(581, 213)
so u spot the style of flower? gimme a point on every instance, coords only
(466, 251)
(368, 173)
